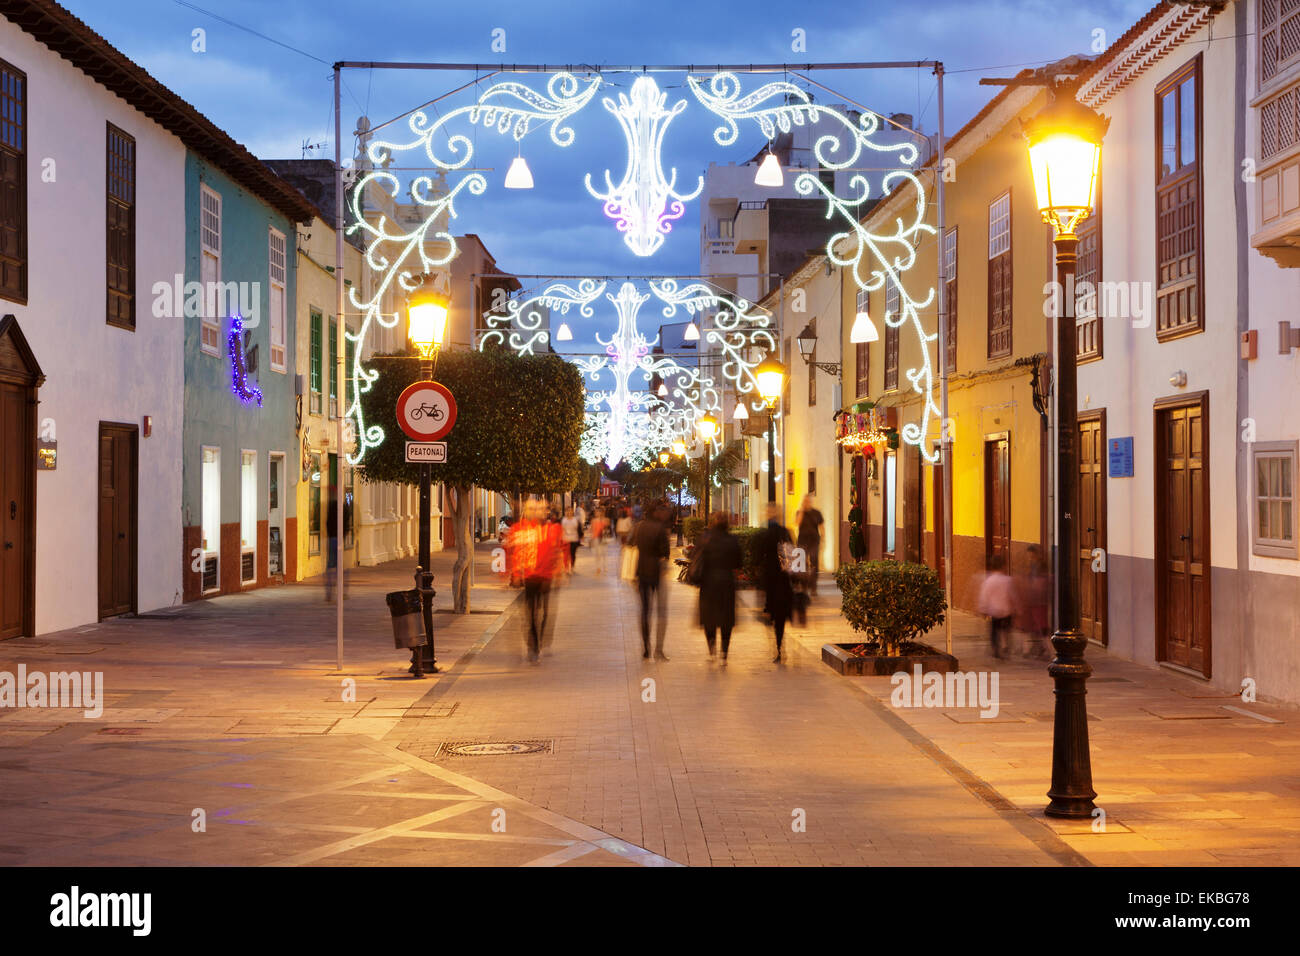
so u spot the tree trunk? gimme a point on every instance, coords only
(461, 503)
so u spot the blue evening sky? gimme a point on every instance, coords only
(274, 100)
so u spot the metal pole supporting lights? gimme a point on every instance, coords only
(707, 426)
(1064, 142)
(426, 312)
(771, 383)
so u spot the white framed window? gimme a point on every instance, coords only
(247, 517)
(1000, 225)
(210, 530)
(1274, 522)
(210, 266)
(278, 271)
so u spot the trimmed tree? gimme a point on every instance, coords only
(519, 421)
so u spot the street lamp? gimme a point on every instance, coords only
(771, 382)
(707, 426)
(663, 459)
(1064, 142)
(808, 344)
(426, 312)
(679, 449)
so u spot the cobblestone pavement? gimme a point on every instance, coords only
(233, 707)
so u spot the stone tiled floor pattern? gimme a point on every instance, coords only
(234, 706)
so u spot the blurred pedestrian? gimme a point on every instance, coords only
(774, 547)
(624, 527)
(571, 534)
(809, 523)
(599, 528)
(997, 602)
(650, 538)
(1034, 604)
(719, 560)
(535, 553)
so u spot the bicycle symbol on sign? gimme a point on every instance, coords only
(425, 410)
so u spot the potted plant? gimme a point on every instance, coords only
(892, 603)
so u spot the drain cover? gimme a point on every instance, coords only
(494, 748)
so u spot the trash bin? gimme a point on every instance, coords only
(406, 610)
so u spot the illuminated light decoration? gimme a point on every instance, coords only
(238, 373)
(522, 326)
(396, 255)
(692, 333)
(644, 203)
(519, 176)
(769, 172)
(663, 389)
(859, 432)
(741, 412)
(564, 333)
(864, 330)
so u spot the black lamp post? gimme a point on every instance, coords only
(427, 319)
(1064, 143)
(707, 426)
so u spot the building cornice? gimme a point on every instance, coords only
(1149, 41)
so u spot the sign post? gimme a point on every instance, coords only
(426, 411)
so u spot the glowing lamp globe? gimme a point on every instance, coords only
(771, 380)
(663, 457)
(1064, 143)
(519, 176)
(663, 390)
(692, 333)
(707, 426)
(427, 320)
(864, 330)
(769, 172)
(679, 448)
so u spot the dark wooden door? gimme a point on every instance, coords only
(936, 497)
(914, 505)
(117, 519)
(997, 502)
(17, 459)
(1091, 511)
(1183, 537)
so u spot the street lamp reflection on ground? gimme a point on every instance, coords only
(1064, 142)
(771, 383)
(426, 312)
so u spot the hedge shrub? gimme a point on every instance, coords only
(891, 601)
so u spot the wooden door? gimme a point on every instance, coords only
(1183, 535)
(914, 505)
(936, 484)
(117, 519)
(17, 460)
(1091, 511)
(997, 502)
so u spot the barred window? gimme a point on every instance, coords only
(999, 311)
(1279, 36)
(120, 246)
(278, 270)
(891, 335)
(1088, 270)
(210, 266)
(1178, 225)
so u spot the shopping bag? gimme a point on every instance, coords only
(628, 569)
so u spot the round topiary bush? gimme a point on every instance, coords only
(891, 601)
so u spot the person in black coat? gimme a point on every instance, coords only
(720, 559)
(774, 578)
(650, 538)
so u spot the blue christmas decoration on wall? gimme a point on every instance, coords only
(239, 375)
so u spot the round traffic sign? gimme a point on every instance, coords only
(426, 410)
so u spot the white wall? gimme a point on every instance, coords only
(96, 372)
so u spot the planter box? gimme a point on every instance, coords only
(839, 657)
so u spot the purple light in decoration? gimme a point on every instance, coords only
(239, 376)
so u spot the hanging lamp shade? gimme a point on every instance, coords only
(519, 176)
(740, 412)
(564, 333)
(692, 333)
(864, 330)
(769, 172)
(663, 389)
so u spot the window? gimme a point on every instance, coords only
(1279, 37)
(950, 295)
(248, 517)
(13, 183)
(891, 335)
(349, 353)
(278, 272)
(210, 267)
(812, 481)
(1000, 276)
(210, 480)
(317, 359)
(862, 354)
(789, 481)
(891, 490)
(1088, 270)
(1178, 226)
(1275, 511)
(332, 360)
(120, 245)
(812, 368)
(313, 508)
